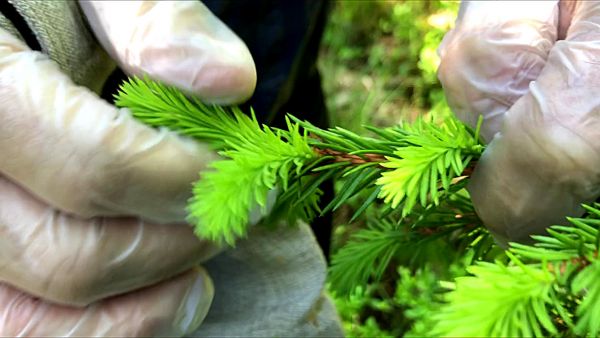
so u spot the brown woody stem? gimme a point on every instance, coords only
(354, 159)
(367, 158)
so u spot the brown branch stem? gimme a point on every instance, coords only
(354, 159)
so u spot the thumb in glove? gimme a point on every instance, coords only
(543, 162)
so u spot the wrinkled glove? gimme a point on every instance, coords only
(86, 191)
(532, 70)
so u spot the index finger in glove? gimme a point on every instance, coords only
(545, 161)
(171, 308)
(73, 261)
(488, 60)
(82, 155)
(178, 42)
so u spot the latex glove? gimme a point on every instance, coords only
(68, 160)
(172, 308)
(539, 97)
(181, 43)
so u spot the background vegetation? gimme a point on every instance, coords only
(378, 62)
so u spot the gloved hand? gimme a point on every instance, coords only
(86, 190)
(531, 69)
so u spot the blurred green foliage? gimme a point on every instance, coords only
(375, 312)
(378, 63)
(379, 60)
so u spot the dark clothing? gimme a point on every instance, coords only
(283, 38)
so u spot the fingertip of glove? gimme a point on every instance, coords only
(195, 303)
(225, 83)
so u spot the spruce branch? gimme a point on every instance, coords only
(255, 167)
(258, 159)
(499, 301)
(549, 285)
(376, 246)
(415, 174)
(403, 165)
(393, 240)
(434, 154)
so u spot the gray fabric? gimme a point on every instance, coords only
(271, 285)
(64, 36)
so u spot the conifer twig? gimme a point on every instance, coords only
(417, 173)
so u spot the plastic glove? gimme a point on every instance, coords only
(171, 308)
(69, 160)
(538, 96)
(181, 43)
